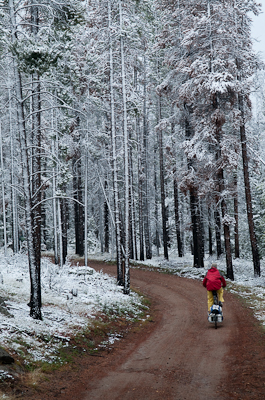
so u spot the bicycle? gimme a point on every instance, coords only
(216, 311)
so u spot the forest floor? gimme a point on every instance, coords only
(175, 355)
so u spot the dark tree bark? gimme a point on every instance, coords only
(210, 232)
(147, 231)
(157, 239)
(218, 237)
(106, 227)
(106, 224)
(228, 253)
(236, 229)
(253, 239)
(77, 187)
(64, 222)
(36, 211)
(177, 218)
(162, 185)
(220, 189)
(196, 232)
(202, 233)
(194, 206)
(140, 190)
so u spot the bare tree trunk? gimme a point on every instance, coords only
(162, 185)
(228, 253)
(64, 224)
(217, 219)
(55, 230)
(114, 159)
(140, 190)
(253, 239)
(210, 232)
(13, 191)
(126, 166)
(147, 231)
(36, 213)
(35, 286)
(221, 189)
(106, 223)
(3, 191)
(157, 238)
(60, 233)
(86, 207)
(77, 187)
(236, 229)
(196, 231)
(133, 238)
(177, 218)
(194, 206)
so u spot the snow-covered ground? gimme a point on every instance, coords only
(71, 297)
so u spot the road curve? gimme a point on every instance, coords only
(178, 356)
(182, 358)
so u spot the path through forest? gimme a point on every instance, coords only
(184, 357)
(179, 356)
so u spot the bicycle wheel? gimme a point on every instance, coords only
(215, 322)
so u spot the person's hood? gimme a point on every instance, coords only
(213, 269)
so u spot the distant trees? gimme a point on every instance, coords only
(203, 40)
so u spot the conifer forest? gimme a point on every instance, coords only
(135, 127)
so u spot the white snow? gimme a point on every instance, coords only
(71, 296)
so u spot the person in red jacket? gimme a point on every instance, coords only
(213, 280)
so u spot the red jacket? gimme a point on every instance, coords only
(214, 280)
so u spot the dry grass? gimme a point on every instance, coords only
(33, 378)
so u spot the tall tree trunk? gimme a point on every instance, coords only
(13, 183)
(55, 227)
(60, 231)
(3, 192)
(126, 166)
(77, 187)
(210, 232)
(140, 190)
(221, 189)
(253, 239)
(177, 218)
(228, 253)
(157, 238)
(196, 231)
(120, 279)
(133, 238)
(36, 172)
(147, 231)
(236, 229)
(34, 268)
(106, 223)
(86, 206)
(217, 219)
(36, 153)
(162, 185)
(64, 224)
(194, 205)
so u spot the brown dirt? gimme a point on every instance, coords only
(178, 356)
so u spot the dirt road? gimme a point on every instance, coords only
(178, 356)
(184, 357)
